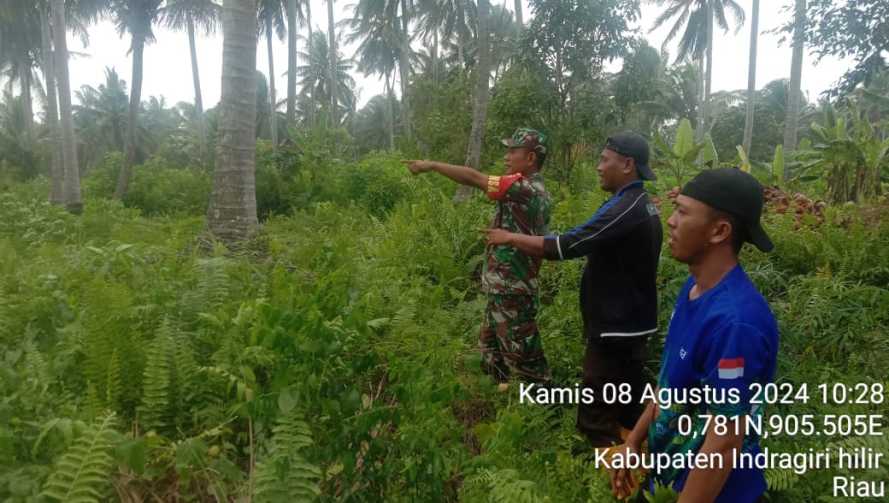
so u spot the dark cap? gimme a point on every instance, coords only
(630, 144)
(527, 138)
(735, 192)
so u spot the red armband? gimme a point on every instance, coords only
(498, 185)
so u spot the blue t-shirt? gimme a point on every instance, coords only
(725, 339)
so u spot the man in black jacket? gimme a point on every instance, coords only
(618, 295)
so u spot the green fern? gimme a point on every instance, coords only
(93, 405)
(184, 382)
(284, 474)
(35, 364)
(155, 411)
(113, 382)
(662, 494)
(505, 486)
(82, 474)
(781, 479)
(212, 289)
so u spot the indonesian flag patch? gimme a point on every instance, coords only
(731, 368)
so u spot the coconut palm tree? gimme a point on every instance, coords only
(231, 214)
(751, 77)
(84, 12)
(296, 17)
(424, 62)
(697, 18)
(315, 83)
(366, 127)
(71, 185)
(189, 15)
(480, 98)
(101, 115)
(56, 169)
(396, 14)
(101, 118)
(271, 16)
(794, 97)
(16, 147)
(379, 37)
(428, 29)
(451, 21)
(404, 66)
(332, 59)
(136, 18)
(20, 45)
(502, 40)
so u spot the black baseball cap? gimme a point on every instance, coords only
(630, 144)
(735, 192)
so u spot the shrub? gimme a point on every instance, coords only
(159, 189)
(156, 188)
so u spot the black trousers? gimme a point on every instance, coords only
(612, 362)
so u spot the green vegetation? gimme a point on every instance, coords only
(244, 304)
(335, 354)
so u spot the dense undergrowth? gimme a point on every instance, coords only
(334, 357)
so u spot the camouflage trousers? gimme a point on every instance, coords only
(509, 340)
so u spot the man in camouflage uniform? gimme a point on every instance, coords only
(618, 289)
(509, 340)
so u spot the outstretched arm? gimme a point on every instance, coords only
(460, 174)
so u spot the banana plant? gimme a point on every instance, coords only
(775, 169)
(850, 159)
(681, 158)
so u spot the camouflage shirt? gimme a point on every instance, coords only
(523, 206)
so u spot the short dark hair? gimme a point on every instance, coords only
(738, 233)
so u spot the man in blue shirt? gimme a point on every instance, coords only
(722, 339)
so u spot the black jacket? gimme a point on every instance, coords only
(622, 243)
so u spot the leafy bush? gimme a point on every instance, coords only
(156, 188)
(356, 329)
(377, 182)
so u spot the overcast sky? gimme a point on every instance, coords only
(168, 70)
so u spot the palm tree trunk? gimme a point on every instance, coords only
(196, 81)
(123, 180)
(751, 79)
(331, 64)
(699, 96)
(309, 19)
(308, 5)
(390, 119)
(291, 62)
(708, 81)
(518, 14)
(231, 215)
(405, 70)
(69, 150)
(273, 99)
(461, 21)
(794, 96)
(56, 169)
(27, 100)
(435, 56)
(480, 106)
